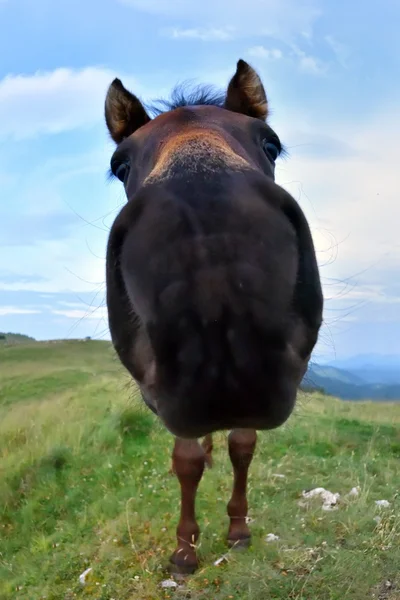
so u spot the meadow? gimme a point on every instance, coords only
(85, 482)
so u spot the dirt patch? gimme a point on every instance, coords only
(387, 590)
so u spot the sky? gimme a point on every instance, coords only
(330, 71)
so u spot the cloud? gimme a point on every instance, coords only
(353, 296)
(312, 65)
(308, 63)
(265, 53)
(45, 317)
(203, 34)
(350, 199)
(53, 102)
(39, 301)
(341, 51)
(15, 310)
(305, 62)
(283, 19)
(85, 313)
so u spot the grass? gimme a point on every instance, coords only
(84, 482)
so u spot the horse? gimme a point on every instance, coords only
(213, 290)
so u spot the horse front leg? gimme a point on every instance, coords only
(188, 461)
(242, 443)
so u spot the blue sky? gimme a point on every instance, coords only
(331, 73)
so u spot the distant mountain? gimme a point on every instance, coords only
(330, 372)
(372, 368)
(351, 385)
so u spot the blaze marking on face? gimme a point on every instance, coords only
(194, 147)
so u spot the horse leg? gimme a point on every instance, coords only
(242, 443)
(188, 459)
(208, 448)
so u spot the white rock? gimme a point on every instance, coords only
(279, 475)
(82, 576)
(382, 503)
(168, 583)
(271, 537)
(329, 499)
(355, 491)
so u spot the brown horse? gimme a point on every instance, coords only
(213, 290)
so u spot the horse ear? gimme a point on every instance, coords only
(123, 111)
(246, 93)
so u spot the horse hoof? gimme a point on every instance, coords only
(180, 572)
(240, 544)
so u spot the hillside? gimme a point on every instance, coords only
(15, 338)
(85, 483)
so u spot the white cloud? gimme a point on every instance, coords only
(305, 62)
(308, 63)
(15, 310)
(351, 200)
(354, 294)
(283, 19)
(54, 101)
(96, 313)
(203, 34)
(266, 53)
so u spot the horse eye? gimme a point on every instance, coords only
(122, 171)
(271, 150)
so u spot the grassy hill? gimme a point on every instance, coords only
(15, 338)
(84, 473)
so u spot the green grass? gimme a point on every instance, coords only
(84, 482)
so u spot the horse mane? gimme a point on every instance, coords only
(185, 94)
